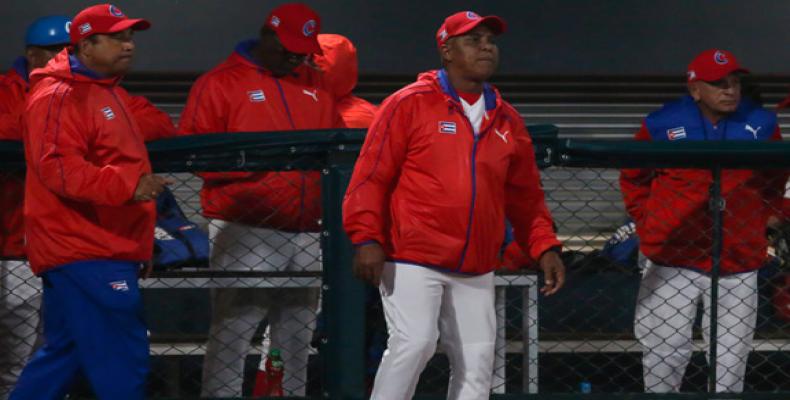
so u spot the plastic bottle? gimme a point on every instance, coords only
(269, 379)
(274, 373)
(585, 387)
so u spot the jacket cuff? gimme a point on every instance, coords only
(366, 242)
(537, 250)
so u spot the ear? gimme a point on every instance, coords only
(694, 90)
(30, 55)
(86, 47)
(445, 51)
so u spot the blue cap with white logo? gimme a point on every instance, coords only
(48, 31)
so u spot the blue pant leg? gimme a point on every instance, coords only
(108, 327)
(52, 369)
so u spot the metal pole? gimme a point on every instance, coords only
(343, 353)
(717, 206)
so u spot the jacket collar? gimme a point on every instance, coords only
(244, 49)
(78, 68)
(20, 67)
(489, 95)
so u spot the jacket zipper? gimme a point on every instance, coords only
(300, 220)
(476, 138)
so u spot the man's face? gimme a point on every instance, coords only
(38, 57)
(276, 58)
(720, 97)
(109, 54)
(474, 55)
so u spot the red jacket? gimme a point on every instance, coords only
(153, 123)
(670, 206)
(340, 67)
(433, 195)
(240, 96)
(85, 155)
(13, 88)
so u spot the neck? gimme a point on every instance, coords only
(711, 115)
(463, 84)
(257, 55)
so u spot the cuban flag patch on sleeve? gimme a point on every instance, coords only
(676, 133)
(256, 96)
(119, 286)
(108, 113)
(447, 127)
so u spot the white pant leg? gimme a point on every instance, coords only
(236, 316)
(737, 318)
(236, 313)
(468, 332)
(665, 311)
(20, 322)
(292, 321)
(411, 296)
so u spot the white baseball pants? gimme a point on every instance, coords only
(419, 304)
(665, 312)
(20, 326)
(237, 313)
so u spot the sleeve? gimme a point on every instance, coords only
(366, 203)
(337, 119)
(153, 122)
(206, 110)
(775, 184)
(58, 146)
(525, 204)
(635, 184)
(11, 109)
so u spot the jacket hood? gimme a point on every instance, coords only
(339, 63)
(441, 82)
(67, 67)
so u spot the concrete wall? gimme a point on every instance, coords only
(545, 37)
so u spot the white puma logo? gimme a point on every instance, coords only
(502, 135)
(313, 94)
(752, 130)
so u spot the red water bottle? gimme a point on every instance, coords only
(274, 373)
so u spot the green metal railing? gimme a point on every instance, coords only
(334, 152)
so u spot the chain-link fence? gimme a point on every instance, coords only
(277, 274)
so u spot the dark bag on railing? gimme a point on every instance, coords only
(178, 242)
(623, 247)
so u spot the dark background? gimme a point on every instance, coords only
(566, 37)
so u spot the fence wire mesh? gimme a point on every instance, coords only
(624, 323)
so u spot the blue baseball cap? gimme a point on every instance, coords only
(48, 31)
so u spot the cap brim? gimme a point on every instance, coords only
(137, 24)
(300, 45)
(718, 77)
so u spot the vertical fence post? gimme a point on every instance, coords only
(343, 295)
(717, 206)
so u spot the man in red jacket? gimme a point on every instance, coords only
(672, 213)
(263, 221)
(338, 65)
(445, 161)
(20, 290)
(89, 218)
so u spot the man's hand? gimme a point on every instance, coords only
(150, 186)
(553, 272)
(369, 262)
